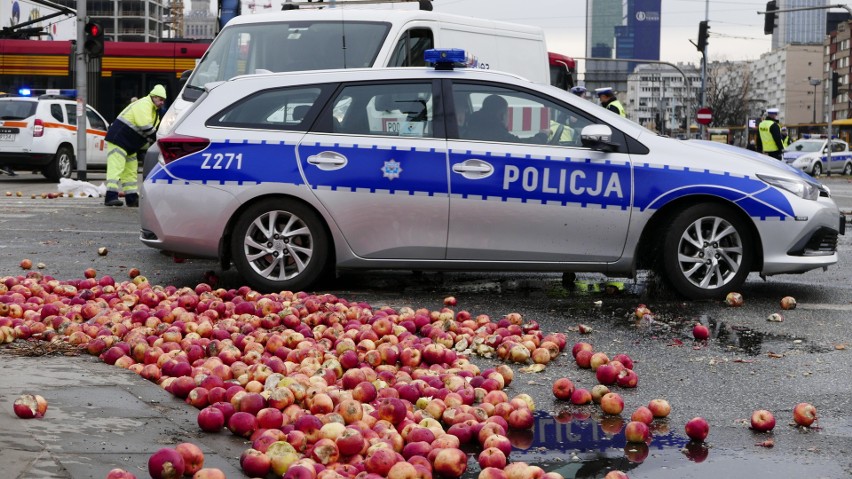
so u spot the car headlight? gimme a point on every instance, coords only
(799, 187)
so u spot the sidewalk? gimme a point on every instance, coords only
(99, 417)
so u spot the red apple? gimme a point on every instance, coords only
(606, 374)
(636, 431)
(804, 414)
(581, 396)
(450, 462)
(700, 332)
(642, 414)
(581, 346)
(788, 302)
(734, 299)
(166, 463)
(659, 407)
(762, 420)
(612, 403)
(584, 358)
(563, 388)
(193, 458)
(492, 457)
(697, 429)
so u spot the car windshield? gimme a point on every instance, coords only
(16, 110)
(286, 47)
(806, 146)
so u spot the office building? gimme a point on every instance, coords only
(806, 27)
(126, 20)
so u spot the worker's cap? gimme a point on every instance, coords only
(604, 91)
(578, 90)
(772, 111)
(159, 91)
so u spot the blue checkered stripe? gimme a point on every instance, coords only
(425, 171)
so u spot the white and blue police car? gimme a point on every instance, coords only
(290, 175)
(811, 156)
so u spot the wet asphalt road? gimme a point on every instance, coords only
(748, 364)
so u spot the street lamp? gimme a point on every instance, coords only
(815, 82)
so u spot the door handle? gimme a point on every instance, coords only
(473, 169)
(328, 160)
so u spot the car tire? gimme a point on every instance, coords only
(847, 169)
(714, 265)
(279, 245)
(817, 169)
(61, 166)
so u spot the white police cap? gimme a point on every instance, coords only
(603, 91)
(772, 111)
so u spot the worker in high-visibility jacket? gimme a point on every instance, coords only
(769, 135)
(135, 127)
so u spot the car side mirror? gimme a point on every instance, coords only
(598, 137)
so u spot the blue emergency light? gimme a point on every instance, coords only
(70, 93)
(445, 58)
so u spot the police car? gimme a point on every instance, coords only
(810, 155)
(290, 175)
(38, 132)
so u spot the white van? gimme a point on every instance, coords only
(349, 37)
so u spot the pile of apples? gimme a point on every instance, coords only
(323, 388)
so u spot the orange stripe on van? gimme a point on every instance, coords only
(74, 128)
(20, 124)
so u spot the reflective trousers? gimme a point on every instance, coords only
(122, 170)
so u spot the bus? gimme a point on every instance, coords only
(563, 70)
(126, 70)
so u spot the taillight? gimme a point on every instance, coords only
(38, 128)
(174, 147)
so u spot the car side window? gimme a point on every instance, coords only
(95, 121)
(489, 113)
(56, 112)
(274, 109)
(71, 111)
(410, 49)
(401, 109)
(835, 147)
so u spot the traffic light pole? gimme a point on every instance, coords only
(80, 62)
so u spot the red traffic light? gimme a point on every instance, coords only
(94, 41)
(94, 29)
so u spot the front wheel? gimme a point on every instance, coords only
(817, 170)
(279, 245)
(707, 251)
(61, 166)
(847, 169)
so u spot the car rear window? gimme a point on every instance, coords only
(17, 110)
(276, 109)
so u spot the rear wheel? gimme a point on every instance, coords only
(280, 245)
(707, 251)
(817, 170)
(61, 166)
(847, 169)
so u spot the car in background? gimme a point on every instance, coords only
(39, 133)
(810, 155)
(289, 176)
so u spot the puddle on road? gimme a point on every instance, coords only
(580, 446)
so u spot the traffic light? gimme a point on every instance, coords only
(703, 28)
(769, 18)
(835, 84)
(93, 44)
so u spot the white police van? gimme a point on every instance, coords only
(289, 175)
(352, 36)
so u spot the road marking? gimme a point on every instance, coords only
(829, 307)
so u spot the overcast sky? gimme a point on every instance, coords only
(736, 30)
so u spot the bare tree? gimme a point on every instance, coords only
(728, 90)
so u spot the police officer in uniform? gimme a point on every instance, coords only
(785, 138)
(579, 90)
(134, 128)
(769, 139)
(609, 101)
